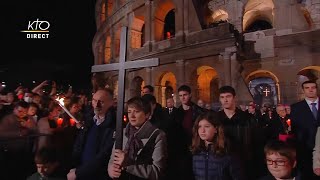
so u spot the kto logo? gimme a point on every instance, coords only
(37, 29)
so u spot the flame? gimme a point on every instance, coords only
(60, 101)
(289, 122)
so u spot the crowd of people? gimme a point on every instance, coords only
(39, 140)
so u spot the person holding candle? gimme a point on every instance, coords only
(279, 126)
(93, 145)
(144, 154)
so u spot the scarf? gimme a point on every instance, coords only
(133, 145)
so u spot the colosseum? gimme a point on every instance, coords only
(263, 48)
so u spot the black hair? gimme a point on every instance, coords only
(309, 82)
(227, 89)
(151, 89)
(185, 88)
(149, 98)
(46, 155)
(22, 104)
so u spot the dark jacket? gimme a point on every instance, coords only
(270, 177)
(304, 128)
(207, 166)
(196, 111)
(96, 168)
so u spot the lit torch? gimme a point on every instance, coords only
(61, 104)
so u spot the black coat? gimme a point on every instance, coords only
(97, 167)
(304, 127)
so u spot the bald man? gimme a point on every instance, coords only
(94, 143)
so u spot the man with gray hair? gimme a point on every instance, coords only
(94, 143)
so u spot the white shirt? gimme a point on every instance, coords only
(309, 103)
(98, 120)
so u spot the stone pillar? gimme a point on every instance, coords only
(101, 53)
(147, 25)
(315, 13)
(227, 54)
(158, 28)
(179, 19)
(180, 72)
(227, 68)
(185, 16)
(180, 64)
(112, 45)
(130, 34)
(135, 25)
(96, 53)
(148, 78)
(236, 20)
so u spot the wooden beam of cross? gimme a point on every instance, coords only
(122, 66)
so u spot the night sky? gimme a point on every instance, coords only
(66, 56)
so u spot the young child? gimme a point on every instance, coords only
(211, 159)
(281, 161)
(47, 166)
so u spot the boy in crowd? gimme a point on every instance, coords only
(281, 161)
(47, 166)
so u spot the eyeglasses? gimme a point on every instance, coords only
(278, 162)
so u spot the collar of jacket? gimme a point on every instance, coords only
(145, 130)
(109, 119)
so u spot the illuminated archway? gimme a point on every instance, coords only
(258, 15)
(220, 15)
(163, 7)
(208, 84)
(137, 32)
(168, 87)
(307, 16)
(264, 87)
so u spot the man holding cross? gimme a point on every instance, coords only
(94, 143)
(122, 66)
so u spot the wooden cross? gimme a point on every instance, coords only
(122, 66)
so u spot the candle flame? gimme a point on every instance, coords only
(60, 101)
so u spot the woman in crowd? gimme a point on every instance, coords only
(211, 160)
(145, 149)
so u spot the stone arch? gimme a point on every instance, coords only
(307, 16)
(136, 86)
(163, 7)
(137, 32)
(220, 15)
(168, 87)
(258, 13)
(169, 29)
(264, 87)
(207, 84)
(311, 72)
